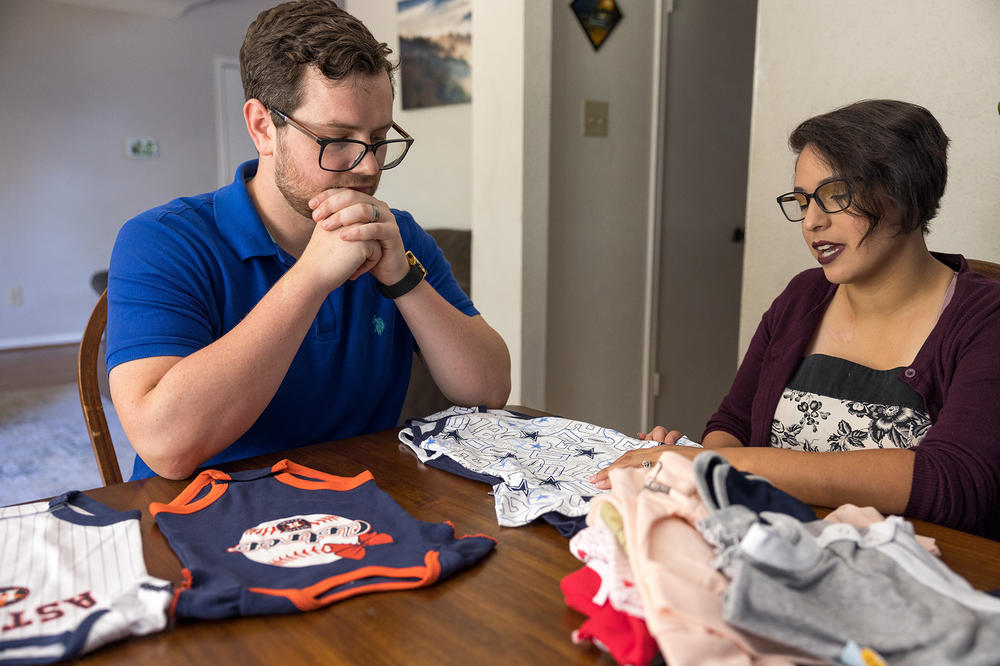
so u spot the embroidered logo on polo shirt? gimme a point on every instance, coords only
(379, 324)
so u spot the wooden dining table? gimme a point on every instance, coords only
(508, 608)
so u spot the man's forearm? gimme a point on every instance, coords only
(178, 419)
(468, 359)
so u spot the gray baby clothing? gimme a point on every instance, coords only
(818, 586)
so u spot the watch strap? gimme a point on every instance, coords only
(409, 281)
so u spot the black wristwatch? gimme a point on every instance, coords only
(409, 281)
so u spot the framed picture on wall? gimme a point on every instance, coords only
(435, 48)
(597, 18)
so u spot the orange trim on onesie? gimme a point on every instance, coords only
(180, 503)
(184, 585)
(485, 536)
(311, 598)
(288, 473)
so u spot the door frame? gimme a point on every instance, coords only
(223, 120)
(657, 160)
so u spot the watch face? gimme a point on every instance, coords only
(415, 262)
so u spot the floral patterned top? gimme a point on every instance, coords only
(831, 404)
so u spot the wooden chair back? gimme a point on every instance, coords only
(987, 268)
(87, 364)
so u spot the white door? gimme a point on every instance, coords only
(234, 143)
(710, 55)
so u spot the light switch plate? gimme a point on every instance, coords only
(595, 118)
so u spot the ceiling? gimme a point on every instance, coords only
(156, 8)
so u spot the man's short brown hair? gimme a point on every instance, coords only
(285, 40)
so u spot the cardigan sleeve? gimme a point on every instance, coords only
(956, 473)
(784, 331)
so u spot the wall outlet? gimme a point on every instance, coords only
(15, 296)
(143, 148)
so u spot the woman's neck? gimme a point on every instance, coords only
(910, 278)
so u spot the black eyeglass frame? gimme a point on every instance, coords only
(368, 147)
(812, 197)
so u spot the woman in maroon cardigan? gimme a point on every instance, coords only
(873, 379)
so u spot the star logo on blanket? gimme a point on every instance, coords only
(502, 461)
(11, 595)
(520, 488)
(310, 540)
(550, 482)
(590, 453)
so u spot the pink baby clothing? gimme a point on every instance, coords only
(597, 547)
(672, 563)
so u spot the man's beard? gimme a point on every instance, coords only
(292, 185)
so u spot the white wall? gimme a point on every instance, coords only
(942, 55)
(76, 81)
(510, 186)
(435, 181)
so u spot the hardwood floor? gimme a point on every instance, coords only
(37, 367)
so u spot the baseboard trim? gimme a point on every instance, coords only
(30, 342)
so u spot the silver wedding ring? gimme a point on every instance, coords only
(375, 214)
(645, 464)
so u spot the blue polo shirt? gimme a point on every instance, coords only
(184, 274)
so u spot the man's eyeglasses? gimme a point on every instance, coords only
(832, 197)
(345, 154)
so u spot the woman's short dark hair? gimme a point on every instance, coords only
(284, 40)
(893, 154)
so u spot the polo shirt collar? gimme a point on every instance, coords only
(237, 218)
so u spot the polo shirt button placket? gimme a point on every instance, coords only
(909, 373)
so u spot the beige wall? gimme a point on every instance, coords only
(510, 185)
(942, 55)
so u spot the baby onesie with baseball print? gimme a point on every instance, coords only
(291, 538)
(543, 462)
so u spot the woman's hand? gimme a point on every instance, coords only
(660, 434)
(645, 457)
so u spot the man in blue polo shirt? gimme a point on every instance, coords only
(283, 309)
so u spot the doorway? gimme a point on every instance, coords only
(709, 89)
(234, 143)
